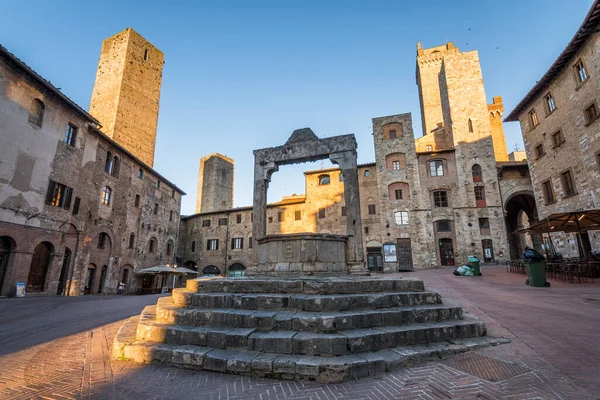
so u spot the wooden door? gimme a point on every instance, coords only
(446, 252)
(404, 253)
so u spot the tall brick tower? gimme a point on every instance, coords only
(127, 92)
(215, 184)
(454, 108)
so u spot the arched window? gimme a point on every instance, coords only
(169, 247)
(36, 112)
(324, 180)
(436, 168)
(395, 161)
(108, 166)
(477, 175)
(211, 270)
(237, 270)
(106, 193)
(102, 240)
(398, 191)
(440, 198)
(152, 245)
(116, 165)
(443, 225)
(470, 126)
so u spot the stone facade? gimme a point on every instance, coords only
(127, 92)
(561, 133)
(215, 184)
(405, 222)
(78, 211)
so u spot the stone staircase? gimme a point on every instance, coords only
(322, 329)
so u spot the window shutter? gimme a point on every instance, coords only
(50, 194)
(232, 243)
(216, 244)
(241, 243)
(76, 205)
(68, 195)
(208, 244)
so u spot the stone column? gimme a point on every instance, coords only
(262, 177)
(347, 162)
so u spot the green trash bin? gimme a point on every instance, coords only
(536, 274)
(474, 264)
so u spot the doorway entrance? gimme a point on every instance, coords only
(91, 273)
(42, 255)
(103, 272)
(404, 251)
(374, 256)
(5, 250)
(488, 250)
(446, 252)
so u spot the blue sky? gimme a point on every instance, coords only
(242, 75)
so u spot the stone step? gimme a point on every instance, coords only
(302, 321)
(309, 285)
(343, 342)
(311, 302)
(305, 367)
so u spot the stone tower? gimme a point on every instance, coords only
(127, 92)
(215, 184)
(453, 102)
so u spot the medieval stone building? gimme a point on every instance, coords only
(81, 208)
(424, 202)
(561, 132)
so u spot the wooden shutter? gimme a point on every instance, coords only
(50, 193)
(68, 195)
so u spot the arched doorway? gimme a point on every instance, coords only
(40, 263)
(64, 272)
(237, 270)
(521, 212)
(89, 281)
(103, 273)
(374, 256)
(6, 247)
(211, 270)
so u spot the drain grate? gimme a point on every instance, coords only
(485, 367)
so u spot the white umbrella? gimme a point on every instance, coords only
(157, 270)
(183, 270)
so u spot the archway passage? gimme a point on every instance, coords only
(211, 270)
(237, 270)
(42, 256)
(520, 213)
(91, 273)
(6, 247)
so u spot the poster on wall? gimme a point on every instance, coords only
(488, 253)
(389, 253)
(20, 289)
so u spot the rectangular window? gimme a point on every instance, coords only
(396, 165)
(567, 183)
(102, 240)
(558, 139)
(436, 168)
(237, 243)
(250, 242)
(548, 192)
(59, 195)
(140, 174)
(393, 134)
(539, 150)
(212, 244)
(222, 221)
(550, 105)
(591, 114)
(206, 223)
(366, 230)
(155, 208)
(321, 213)
(401, 217)
(136, 203)
(429, 148)
(372, 210)
(580, 72)
(158, 184)
(238, 218)
(444, 226)
(298, 215)
(70, 134)
(193, 246)
(344, 211)
(484, 226)
(76, 205)
(172, 193)
(479, 193)
(398, 194)
(280, 216)
(533, 119)
(170, 216)
(440, 199)
(270, 219)
(251, 217)
(131, 240)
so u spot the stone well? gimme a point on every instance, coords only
(301, 254)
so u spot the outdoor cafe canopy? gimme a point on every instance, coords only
(165, 269)
(576, 221)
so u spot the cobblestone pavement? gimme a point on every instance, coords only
(58, 348)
